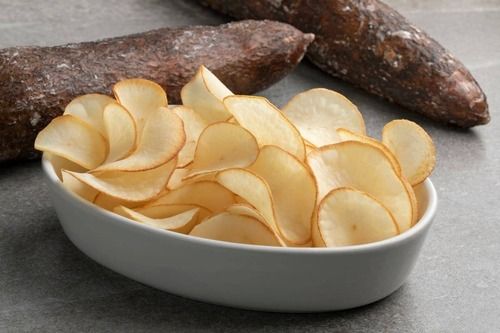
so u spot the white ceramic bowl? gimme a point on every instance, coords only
(243, 276)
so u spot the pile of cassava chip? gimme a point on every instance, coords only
(237, 168)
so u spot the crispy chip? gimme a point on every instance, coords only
(266, 123)
(364, 167)
(253, 189)
(140, 97)
(163, 137)
(236, 229)
(293, 191)
(193, 126)
(318, 112)
(222, 146)
(74, 140)
(246, 209)
(89, 108)
(350, 217)
(110, 203)
(206, 194)
(204, 94)
(130, 186)
(120, 131)
(60, 163)
(81, 189)
(413, 148)
(167, 210)
(346, 135)
(181, 222)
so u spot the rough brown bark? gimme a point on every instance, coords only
(37, 82)
(371, 45)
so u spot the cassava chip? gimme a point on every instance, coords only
(293, 191)
(236, 229)
(316, 239)
(413, 148)
(181, 222)
(176, 180)
(60, 163)
(346, 135)
(110, 203)
(247, 210)
(413, 200)
(223, 146)
(73, 139)
(193, 126)
(266, 123)
(421, 199)
(364, 167)
(207, 194)
(89, 108)
(318, 112)
(180, 177)
(351, 217)
(130, 186)
(252, 188)
(204, 94)
(140, 97)
(309, 149)
(120, 131)
(161, 140)
(81, 189)
(162, 211)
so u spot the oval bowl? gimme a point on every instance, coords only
(238, 275)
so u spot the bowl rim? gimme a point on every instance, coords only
(420, 226)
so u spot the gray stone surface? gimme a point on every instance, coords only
(47, 285)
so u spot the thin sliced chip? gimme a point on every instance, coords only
(110, 203)
(130, 186)
(204, 94)
(89, 108)
(413, 148)
(318, 112)
(413, 200)
(73, 139)
(252, 188)
(421, 199)
(238, 199)
(346, 135)
(350, 217)
(222, 146)
(60, 163)
(140, 97)
(317, 240)
(246, 209)
(176, 180)
(120, 131)
(293, 191)
(161, 140)
(182, 222)
(193, 126)
(309, 149)
(180, 178)
(364, 167)
(81, 189)
(236, 229)
(266, 123)
(162, 211)
(207, 194)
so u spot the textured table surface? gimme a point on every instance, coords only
(46, 284)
